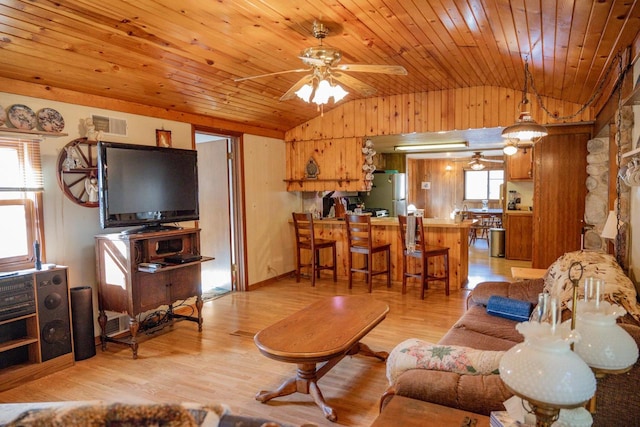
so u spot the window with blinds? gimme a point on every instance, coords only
(21, 187)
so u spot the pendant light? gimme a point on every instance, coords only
(525, 130)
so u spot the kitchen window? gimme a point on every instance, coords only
(483, 184)
(21, 188)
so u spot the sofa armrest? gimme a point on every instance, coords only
(475, 393)
(526, 290)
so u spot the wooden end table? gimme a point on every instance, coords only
(323, 332)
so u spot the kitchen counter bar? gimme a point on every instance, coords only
(442, 232)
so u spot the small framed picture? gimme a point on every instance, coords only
(163, 138)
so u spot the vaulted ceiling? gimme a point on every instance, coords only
(184, 55)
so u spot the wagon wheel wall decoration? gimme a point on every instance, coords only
(78, 172)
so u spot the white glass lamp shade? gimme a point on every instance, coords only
(338, 93)
(510, 148)
(610, 229)
(544, 369)
(304, 92)
(604, 344)
(477, 166)
(323, 92)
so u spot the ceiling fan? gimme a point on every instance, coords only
(323, 65)
(477, 158)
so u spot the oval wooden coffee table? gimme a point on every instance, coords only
(323, 332)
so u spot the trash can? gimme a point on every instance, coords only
(82, 321)
(496, 242)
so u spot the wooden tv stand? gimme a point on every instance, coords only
(124, 288)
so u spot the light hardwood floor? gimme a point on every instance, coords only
(222, 364)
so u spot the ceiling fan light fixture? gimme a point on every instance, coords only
(477, 166)
(426, 147)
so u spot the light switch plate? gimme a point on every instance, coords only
(426, 185)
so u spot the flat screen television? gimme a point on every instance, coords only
(146, 186)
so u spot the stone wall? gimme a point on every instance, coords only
(596, 206)
(597, 200)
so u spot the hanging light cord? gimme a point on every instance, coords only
(617, 58)
(618, 241)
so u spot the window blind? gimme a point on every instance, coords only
(20, 165)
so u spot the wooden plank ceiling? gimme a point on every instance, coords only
(184, 55)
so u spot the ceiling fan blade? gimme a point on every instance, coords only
(299, 70)
(355, 84)
(491, 160)
(366, 68)
(292, 90)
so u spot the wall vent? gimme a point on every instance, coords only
(117, 323)
(110, 125)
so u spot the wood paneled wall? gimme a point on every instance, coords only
(463, 108)
(335, 137)
(447, 186)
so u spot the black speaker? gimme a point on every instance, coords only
(84, 345)
(53, 313)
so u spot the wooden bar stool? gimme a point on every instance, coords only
(305, 239)
(422, 251)
(360, 241)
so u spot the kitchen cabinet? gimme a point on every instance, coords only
(519, 239)
(124, 285)
(520, 165)
(339, 165)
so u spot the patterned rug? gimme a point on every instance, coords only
(211, 294)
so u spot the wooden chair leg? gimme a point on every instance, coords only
(335, 266)
(424, 277)
(349, 262)
(404, 274)
(298, 265)
(446, 273)
(388, 252)
(313, 267)
(370, 271)
(317, 263)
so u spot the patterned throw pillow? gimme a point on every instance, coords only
(619, 289)
(416, 354)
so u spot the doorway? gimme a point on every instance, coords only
(217, 180)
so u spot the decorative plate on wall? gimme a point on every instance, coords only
(22, 117)
(50, 120)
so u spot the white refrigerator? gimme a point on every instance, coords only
(389, 191)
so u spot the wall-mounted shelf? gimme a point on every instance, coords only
(33, 132)
(303, 180)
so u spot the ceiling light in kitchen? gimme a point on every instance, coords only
(435, 146)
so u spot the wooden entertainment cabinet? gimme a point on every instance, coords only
(124, 288)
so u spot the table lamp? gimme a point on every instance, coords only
(605, 346)
(544, 371)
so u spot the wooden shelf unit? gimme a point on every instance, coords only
(23, 354)
(33, 132)
(123, 288)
